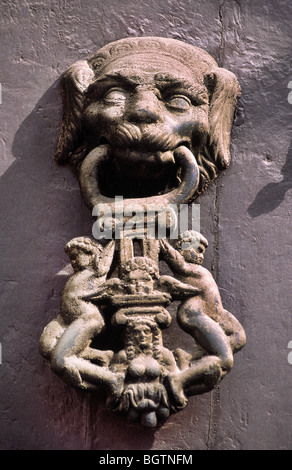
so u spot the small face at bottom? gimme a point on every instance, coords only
(142, 335)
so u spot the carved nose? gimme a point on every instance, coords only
(144, 115)
(144, 108)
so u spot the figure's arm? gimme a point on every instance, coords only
(119, 362)
(110, 287)
(103, 261)
(178, 289)
(174, 259)
(97, 356)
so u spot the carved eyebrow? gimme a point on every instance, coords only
(164, 82)
(168, 82)
(106, 81)
(127, 80)
(160, 80)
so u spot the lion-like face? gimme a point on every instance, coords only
(144, 116)
(144, 123)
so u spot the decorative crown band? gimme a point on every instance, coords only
(179, 50)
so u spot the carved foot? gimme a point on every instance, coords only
(173, 384)
(212, 376)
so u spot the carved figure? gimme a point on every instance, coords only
(202, 316)
(66, 340)
(148, 120)
(146, 364)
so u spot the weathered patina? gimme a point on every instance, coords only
(147, 120)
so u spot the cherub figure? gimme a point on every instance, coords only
(217, 333)
(66, 340)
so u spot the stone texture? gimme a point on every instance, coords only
(245, 216)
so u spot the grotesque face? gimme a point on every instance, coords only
(144, 113)
(145, 117)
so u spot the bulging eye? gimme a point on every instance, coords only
(115, 96)
(179, 102)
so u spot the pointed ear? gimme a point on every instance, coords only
(74, 83)
(224, 91)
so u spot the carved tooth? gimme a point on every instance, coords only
(165, 157)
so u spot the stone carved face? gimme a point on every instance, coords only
(148, 105)
(142, 335)
(144, 116)
(80, 259)
(140, 282)
(139, 274)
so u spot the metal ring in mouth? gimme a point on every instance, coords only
(91, 193)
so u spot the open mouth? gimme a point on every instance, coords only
(146, 175)
(138, 173)
(140, 163)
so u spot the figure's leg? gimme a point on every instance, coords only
(207, 371)
(93, 376)
(207, 333)
(67, 360)
(233, 330)
(79, 334)
(50, 336)
(201, 376)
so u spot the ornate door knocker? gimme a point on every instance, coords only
(146, 128)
